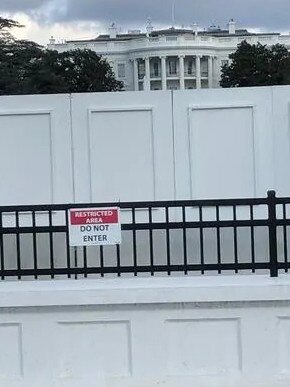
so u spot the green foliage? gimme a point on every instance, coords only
(257, 65)
(5, 26)
(27, 68)
(74, 71)
(8, 24)
(16, 57)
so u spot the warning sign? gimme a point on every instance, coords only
(94, 226)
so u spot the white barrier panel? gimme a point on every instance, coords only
(35, 150)
(222, 332)
(223, 143)
(123, 146)
(281, 139)
(130, 146)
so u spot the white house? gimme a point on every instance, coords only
(173, 58)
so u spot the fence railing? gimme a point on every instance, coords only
(169, 237)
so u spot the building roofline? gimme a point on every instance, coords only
(173, 31)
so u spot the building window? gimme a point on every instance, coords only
(121, 70)
(141, 69)
(156, 69)
(190, 67)
(171, 38)
(172, 67)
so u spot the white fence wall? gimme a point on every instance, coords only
(123, 146)
(35, 150)
(220, 332)
(210, 331)
(144, 146)
(224, 143)
(281, 130)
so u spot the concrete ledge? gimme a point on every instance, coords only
(218, 331)
(124, 291)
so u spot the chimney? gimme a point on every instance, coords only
(149, 27)
(113, 31)
(195, 28)
(232, 27)
(51, 40)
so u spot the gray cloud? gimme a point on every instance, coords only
(20, 5)
(267, 14)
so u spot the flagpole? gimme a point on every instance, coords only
(173, 14)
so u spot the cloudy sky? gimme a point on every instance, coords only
(70, 19)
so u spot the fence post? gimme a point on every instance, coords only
(272, 233)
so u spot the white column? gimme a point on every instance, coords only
(198, 72)
(181, 71)
(147, 74)
(163, 72)
(215, 71)
(210, 74)
(136, 76)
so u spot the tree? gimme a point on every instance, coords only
(257, 65)
(5, 26)
(74, 71)
(15, 60)
(15, 56)
(28, 68)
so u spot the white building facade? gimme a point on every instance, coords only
(170, 59)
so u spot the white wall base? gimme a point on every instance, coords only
(172, 332)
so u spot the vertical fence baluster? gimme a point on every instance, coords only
(168, 241)
(252, 239)
(151, 241)
(85, 261)
(102, 260)
(75, 249)
(34, 244)
(236, 258)
(18, 245)
(51, 247)
(184, 240)
(2, 247)
(218, 235)
(201, 239)
(272, 233)
(135, 261)
(67, 243)
(118, 260)
(285, 238)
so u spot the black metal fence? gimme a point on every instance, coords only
(158, 238)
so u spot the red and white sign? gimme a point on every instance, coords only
(94, 226)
